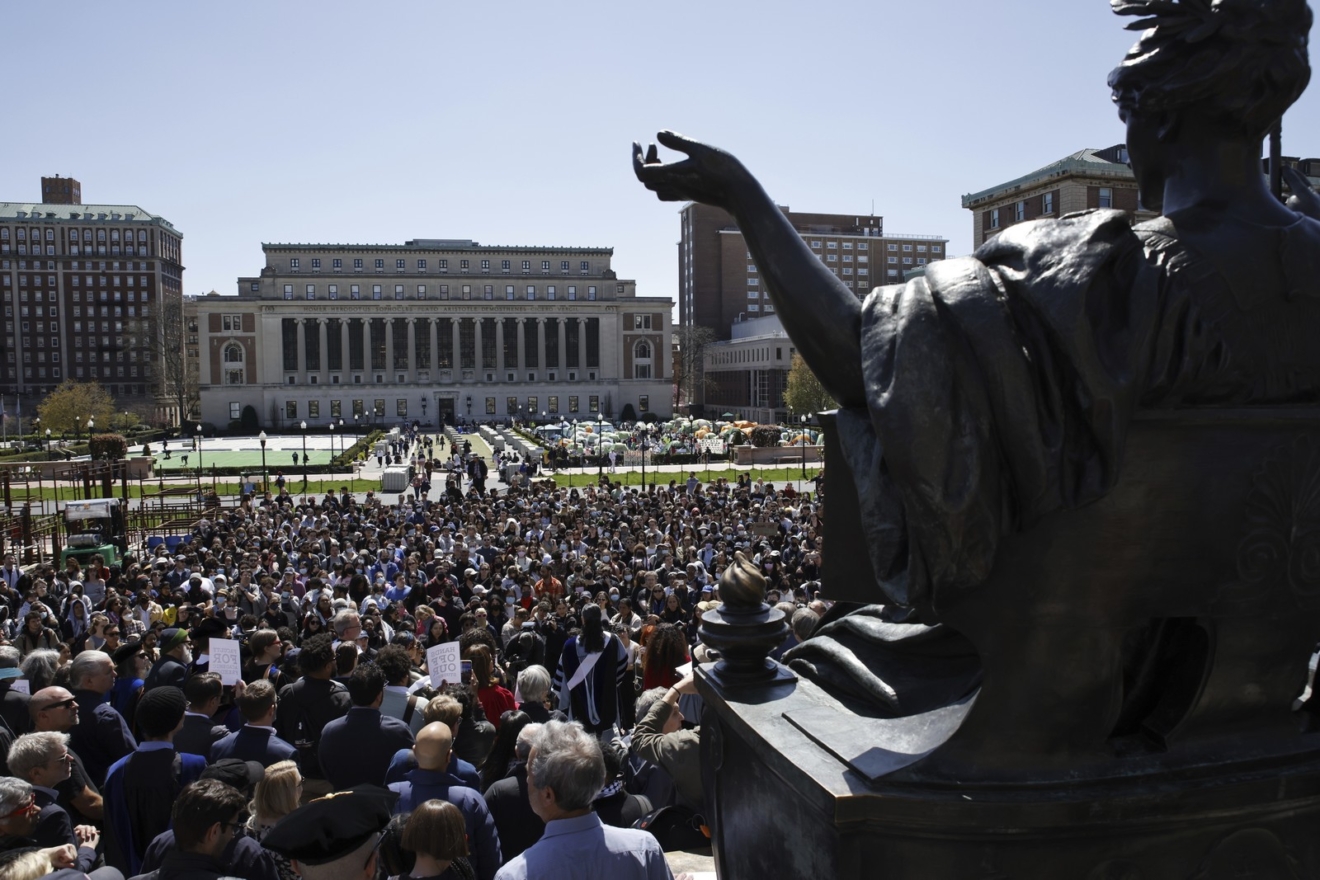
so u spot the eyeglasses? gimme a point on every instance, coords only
(62, 704)
(26, 808)
(62, 759)
(112, 632)
(234, 827)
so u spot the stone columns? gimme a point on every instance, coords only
(458, 351)
(476, 343)
(302, 347)
(522, 347)
(411, 333)
(344, 363)
(435, 349)
(562, 359)
(582, 344)
(540, 344)
(499, 345)
(389, 344)
(323, 365)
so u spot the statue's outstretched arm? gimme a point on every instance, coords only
(820, 314)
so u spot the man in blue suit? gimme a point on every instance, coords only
(432, 781)
(357, 748)
(256, 739)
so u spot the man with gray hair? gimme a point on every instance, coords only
(516, 824)
(18, 820)
(42, 760)
(565, 772)
(100, 737)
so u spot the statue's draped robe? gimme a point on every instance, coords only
(999, 389)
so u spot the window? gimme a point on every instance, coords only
(572, 291)
(584, 267)
(936, 249)
(1106, 197)
(336, 264)
(531, 291)
(316, 263)
(233, 354)
(357, 263)
(511, 405)
(907, 261)
(293, 263)
(1047, 203)
(467, 291)
(1019, 211)
(354, 291)
(485, 265)
(291, 409)
(398, 291)
(644, 403)
(527, 265)
(311, 291)
(490, 406)
(401, 407)
(816, 244)
(380, 265)
(235, 411)
(288, 291)
(421, 265)
(593, 403)
(552, 404)
(504, 265)
(400, 265)
(421, 291)
(994, 221)
(375, 291)
(545, 265)
(508, 291)
(532, 406)
(333, 291)
(462, 265)
(313, 409)
(591, 293)
(336, 409)
(642, 322)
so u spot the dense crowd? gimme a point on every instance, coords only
(575, 611)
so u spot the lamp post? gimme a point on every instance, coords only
(264, 486)
(643, 435)
(199, 457)
(804, 446)
(125, 421)
(332, 437)
(304, 458)
(600, 443)
(48, 443)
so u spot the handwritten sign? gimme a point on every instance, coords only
(225, 660)
(713, 445)
(442, 664)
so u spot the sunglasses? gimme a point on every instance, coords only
(62, 704)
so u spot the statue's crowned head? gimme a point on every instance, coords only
(1237, 63)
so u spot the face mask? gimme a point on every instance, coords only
(220, 602)
(285, 595)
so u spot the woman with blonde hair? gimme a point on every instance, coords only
(437, 837)
(276, 796)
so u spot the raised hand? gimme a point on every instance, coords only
(708, 174)
(1304, 199)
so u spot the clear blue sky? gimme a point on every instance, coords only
(510, 123)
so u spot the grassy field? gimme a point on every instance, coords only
(275, 460)
(316, 486)
(776, 475)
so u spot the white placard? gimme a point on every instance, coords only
(21, 686)
(713, 445)
(442, 664)
(225, 660)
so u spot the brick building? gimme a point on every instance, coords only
(86, 290)
(1086, 179)
(719, 283)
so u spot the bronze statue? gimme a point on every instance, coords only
(1087, 460)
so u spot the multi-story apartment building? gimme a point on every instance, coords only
(87, 291)
(719, 283)
(1086, 179)
(432, 329)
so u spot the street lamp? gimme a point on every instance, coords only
(332, 437)
(804, 446)
(199, 457)
(48, 443)
(264, 485)
(304, 460)
(600, 443)
(125, 421)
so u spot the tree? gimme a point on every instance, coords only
(803, 393)
(69, 407)
(690, 365)
(178, 373)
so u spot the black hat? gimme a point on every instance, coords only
(126, 650)
(333, 826)
(240, 774)
(210, 628)
(160, 710)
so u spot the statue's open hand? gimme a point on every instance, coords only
(708, 174)
(1304, 199)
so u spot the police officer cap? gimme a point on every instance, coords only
(333, 826)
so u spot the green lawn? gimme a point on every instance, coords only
(777, 475)
(275, 460)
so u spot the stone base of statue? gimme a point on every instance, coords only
(1137, 712)
(797, 789)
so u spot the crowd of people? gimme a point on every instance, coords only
(576, 613)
